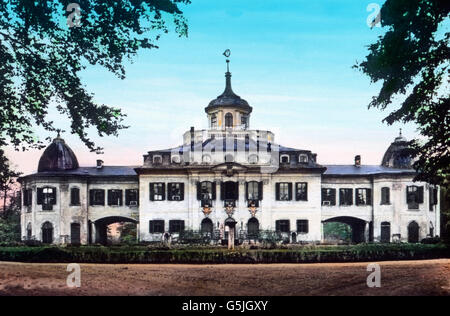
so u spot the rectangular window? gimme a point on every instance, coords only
(132, 197)
(156, 226)
(74, 196)
(414, 196)
(302, 226)
(301, 191)
(385, 196)
(176, 226)
(254, 191)
(27, 197)
(97, 197)
(176, 191)
(157, 191)
(115, 197)
(46, 197)
(214, 121)
(363, 197)
(328, 196)
(283, 226)
(283, 191)
(345, 197)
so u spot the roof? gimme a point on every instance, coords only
(58, 157)
(363, 170)
(229, 99)
(90, 172)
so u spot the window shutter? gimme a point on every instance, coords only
(110, 197)
(127, 197)
(103, 196)
(277, 191)
(277, 223)
(435, 196)
(121, 197)
(91, 197)
(222, 191)
(333, 197)
(297, 196)
(199, 191)
(152, 191)
(181, 226)
(163, 191)
(246, 191)
(182, 191)
(151, 227)
(420, 193)
(169, 191)
(236, 190)
(408, 199)
(39, 196)
(54, 195)
(306, 191)
(213, 190)
(369, 196)
(260, 190)
(290, 191)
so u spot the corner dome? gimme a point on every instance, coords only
(229, 99)
(58, 157)
(398, 154)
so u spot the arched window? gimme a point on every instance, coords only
(413, 232)
(284, 158)
(253, 159)
(228, 120)
(206, 227)
(206, 159)
(385, 232)
(253, 228)
(303, 158)
(47, 233)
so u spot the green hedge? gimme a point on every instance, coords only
(140, 254)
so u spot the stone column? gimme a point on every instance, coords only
(367, 232)
(231, 237)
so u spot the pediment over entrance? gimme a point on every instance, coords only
(230, 168)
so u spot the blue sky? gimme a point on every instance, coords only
(291, 60)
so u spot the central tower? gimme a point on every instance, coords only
(228, 111)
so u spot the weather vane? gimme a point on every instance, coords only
(227, 54)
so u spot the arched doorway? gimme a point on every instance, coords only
(75, 233)
(206, 227)
(413, 232)
(252, 228)
(47, 233)
(385, 236)
(228, 120)
(356, 229)
(103, 232)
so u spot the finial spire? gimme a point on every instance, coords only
(227, 54)
(401, 132)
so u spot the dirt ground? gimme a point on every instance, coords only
(430, 277)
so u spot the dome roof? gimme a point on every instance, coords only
(58, 157)
(229, 99)
(398, 155)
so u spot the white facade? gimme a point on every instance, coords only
(229, 155)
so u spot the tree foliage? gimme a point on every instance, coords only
(42, 57)
(412, 60)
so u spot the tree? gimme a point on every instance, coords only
(412, 60)
(8, 179)
(42, 57)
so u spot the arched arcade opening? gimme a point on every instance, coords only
(349, 229)
(103, 231)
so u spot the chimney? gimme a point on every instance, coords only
(99, 164)
(358, 161)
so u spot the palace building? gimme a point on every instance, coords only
(229, 181)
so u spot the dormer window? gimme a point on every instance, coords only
(303, 158)
(228, 120)
(176, 159)
(253, 159)
(157, 160)
(284, 159)
(206, 159)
